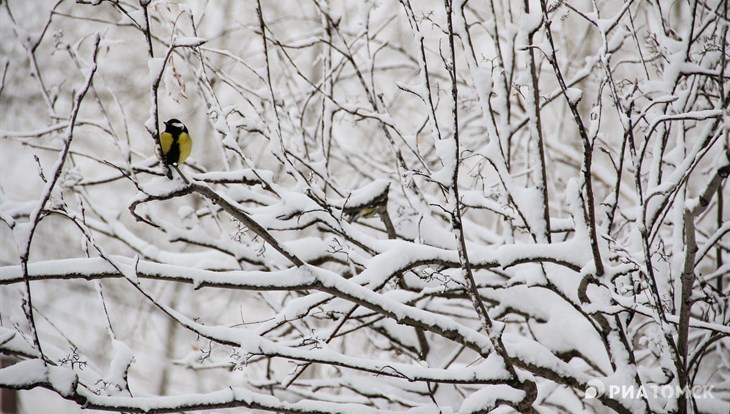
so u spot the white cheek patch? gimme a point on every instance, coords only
(178, 125)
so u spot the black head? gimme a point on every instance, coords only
(174, 126)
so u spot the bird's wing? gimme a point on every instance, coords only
(166, 141)
(186, 146)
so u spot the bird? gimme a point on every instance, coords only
(176, 142)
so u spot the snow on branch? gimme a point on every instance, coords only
(395, 206)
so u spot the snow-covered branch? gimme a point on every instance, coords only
(393, 206)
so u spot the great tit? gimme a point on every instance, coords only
(176, 142)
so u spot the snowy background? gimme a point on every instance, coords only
(390, 206)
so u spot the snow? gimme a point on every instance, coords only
(529, 201)
(530, 22)
(228, 397)
(93, 268)
(364, 196)
(574, 95)
(398, 311)
(532, 352)
(189, 41)
(155, 67)
(117, 375)
(486, 398)
(446, 150)
(31, 373)
(235, 176)
(574, 253)
(13, 342)
(555, 322)
(350, 109)
(150, 124)
(159, 187)
(491, 369)
(21, 234)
